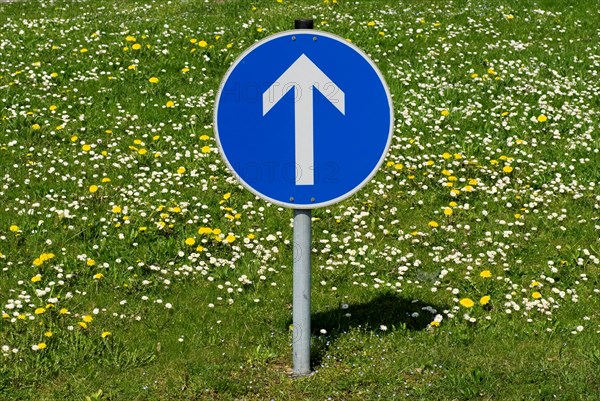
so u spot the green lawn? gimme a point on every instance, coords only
(134, 267)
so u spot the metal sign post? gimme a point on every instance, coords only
(302, 266)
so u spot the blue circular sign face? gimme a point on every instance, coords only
(303, 119)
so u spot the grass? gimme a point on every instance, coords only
(490, 189)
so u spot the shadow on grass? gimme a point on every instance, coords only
(389, 310)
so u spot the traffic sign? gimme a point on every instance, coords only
(303, 118)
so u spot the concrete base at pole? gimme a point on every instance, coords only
(301, 297)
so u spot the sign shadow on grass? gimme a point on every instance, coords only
(384, 314)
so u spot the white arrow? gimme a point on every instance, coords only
(303, 75)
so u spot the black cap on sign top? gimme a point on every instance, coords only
(303, 24)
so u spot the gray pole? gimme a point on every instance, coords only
(301, 301)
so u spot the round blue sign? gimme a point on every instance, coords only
(303, 119)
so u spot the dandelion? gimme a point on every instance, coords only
(542, 118)
(448, 211)
(90, 262)
(181, 170)
(205, 149)
(83, 325)
(153, 80)
(116, 209)
(230, 238)
(130, 38)
(98, 276)
(41, 346)
(433, 224)
(136, 46)
(105, 334)
(14, 228)
(86, 148)
(93, 188)
(203, 43)
(83, 50)
(40, 311)
(87, 318)
(170, 103)
(36, 278)
(204, 137)
(371, 23)
(190, 241)
(536, 295)
(507, 169)
(35, 127)
(485, 274)
(467, 302)
(445, 113)
(64, 311)
(484, 300)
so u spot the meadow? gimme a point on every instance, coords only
(133, 266)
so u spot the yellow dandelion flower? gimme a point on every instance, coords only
(64, 311)
(190, 241)
(536, 295)
(230, 238)
(87, 319)
(41, 345)
(130, 38)
(105, 334)
(142, 151)
(467, 302)
(83, 50)
(484, 300)
(86, 148)
(202, 43)
(507, 169)
(98, 276)
(48, 334)
(136, 46)
(205, 230)
(485, 274)
(204, 137)
(205, 149)
(36, 278)
(83, 325)
(90, 262)
(153, 80)
(542, 118)
(170, 103)
(433, 224)
(434, 324)
(35, 127)
(116, 209)
(93, 188)
(448, 211)
(14, 228)
(181, 170)
(371, 23)
(39, 311)
(445, 113)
